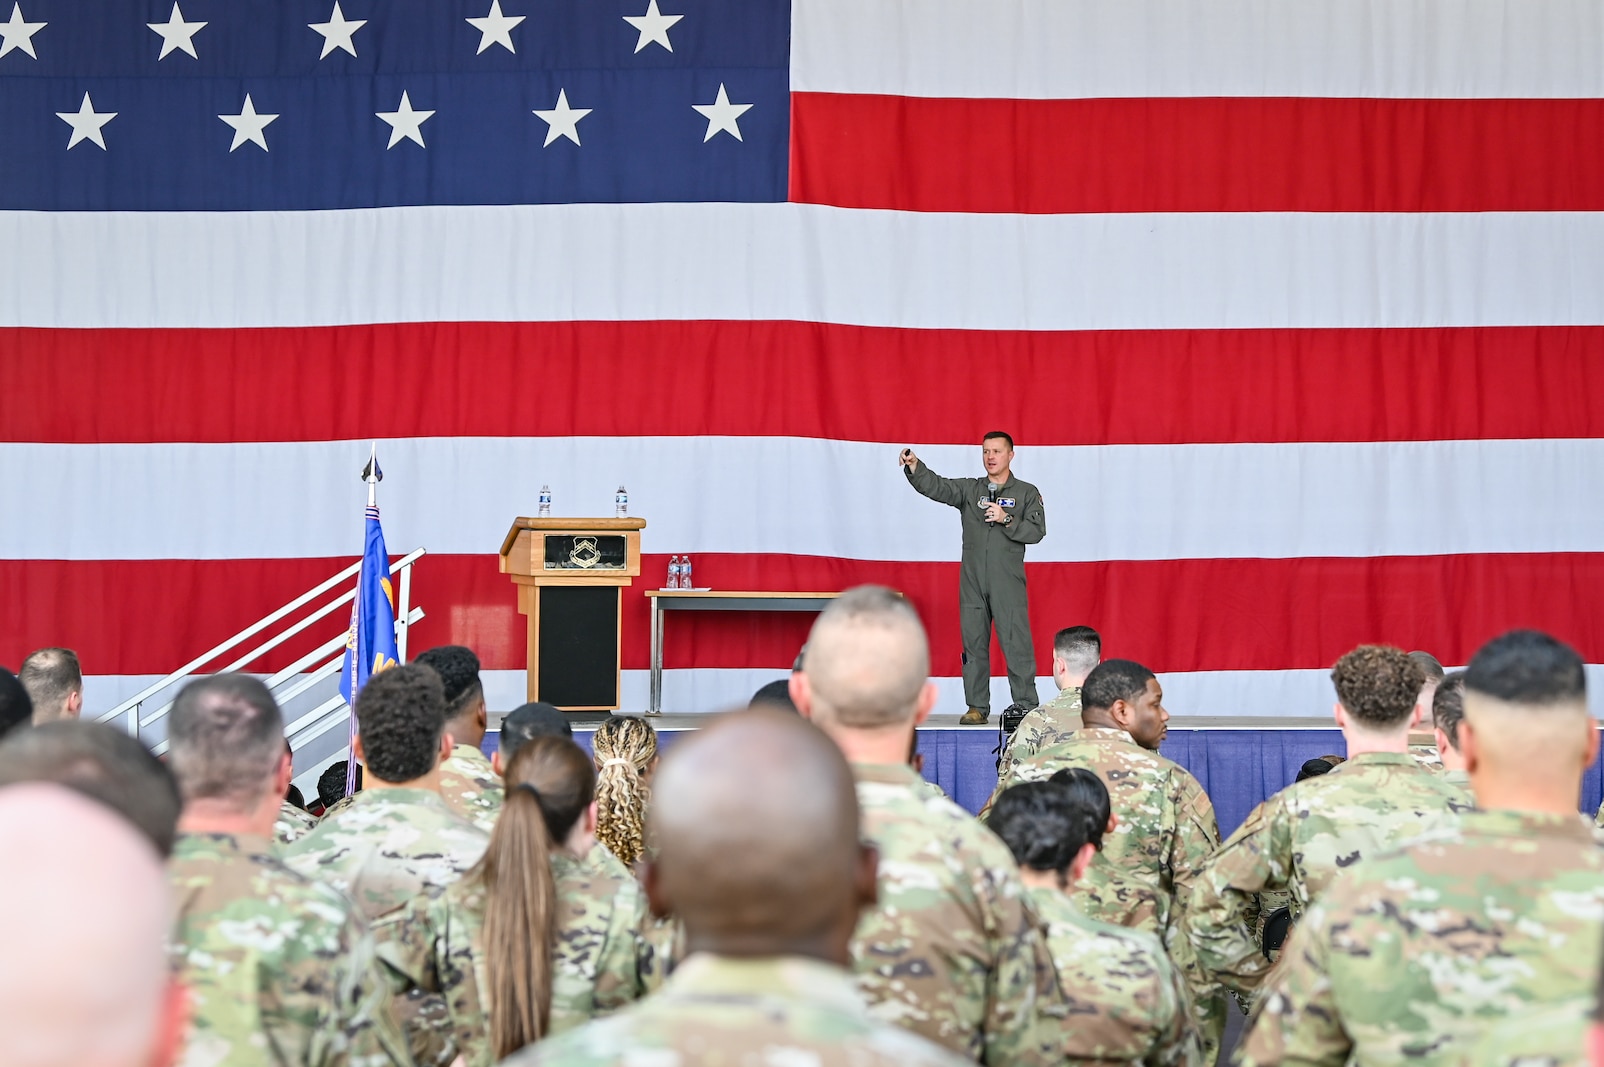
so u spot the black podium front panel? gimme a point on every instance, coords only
(579, 645)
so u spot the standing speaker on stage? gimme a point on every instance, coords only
(1001, 515)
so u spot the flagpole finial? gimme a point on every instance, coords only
(372, 474)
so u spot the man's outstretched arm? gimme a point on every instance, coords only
(941, 490)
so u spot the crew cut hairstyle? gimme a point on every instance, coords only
(891, 694)
(1378, 685)
(50, 676)
(550, 784)
(102, 763)
(225, 739)
(1080, 647)
(458, 669)
(400, 715)
(331, 783)
(996, 434)
(1448, 707)
(1527, 667)
(1113, 680)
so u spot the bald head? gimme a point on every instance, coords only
(755, 825)
(868, 662)
(83, 917)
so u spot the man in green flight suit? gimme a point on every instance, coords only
(1001, 515)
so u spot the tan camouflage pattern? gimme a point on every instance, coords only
(1460, 780)
(340, 805)
(471, 787)
(385, 848)
(1124, 1001)
(721, 1012)
(597, 965)
(1144, 875)
(664, 939)
(1045, 725)
(292, 824)
(1423, 955)
(952, 950)
(1427, 756)
(280, 970)
(1299, 840)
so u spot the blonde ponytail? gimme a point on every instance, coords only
(624, 751)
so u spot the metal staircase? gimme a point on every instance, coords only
(301, 687)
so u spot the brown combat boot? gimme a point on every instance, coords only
(975, 717)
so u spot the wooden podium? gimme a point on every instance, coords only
(571, 575)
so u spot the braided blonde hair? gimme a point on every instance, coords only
(625, 748)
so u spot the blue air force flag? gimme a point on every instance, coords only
(370, 645)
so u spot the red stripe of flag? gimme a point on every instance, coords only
(800, 379)
(1197, 154)
(1181, 615)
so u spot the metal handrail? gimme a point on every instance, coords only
(404, 613)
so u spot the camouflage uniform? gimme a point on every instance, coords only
(1460, 780)
(386, 847)
(596, 966)
(1124, 1001)
(952, 950)
(1420, 955)
(1427, 756)
(1049, 724)
(339, 806)
(722, 1012)
(471, 787)
(280, 969)
(1144, 874)
(1299, 840)
(292, 824)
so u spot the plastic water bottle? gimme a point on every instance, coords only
(673, 573)
(685, 574)
(545, 501)
(621, 503)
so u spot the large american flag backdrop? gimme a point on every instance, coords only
(1295, 308)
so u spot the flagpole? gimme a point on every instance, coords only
(370, 474)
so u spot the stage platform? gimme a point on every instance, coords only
(1239, 761)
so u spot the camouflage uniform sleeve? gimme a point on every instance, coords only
(1297, 1023)
(1197, 835)
(1219, 920)
(620, 976)
(411, 966)
(1024, 976)
(361, 1030)
(1177, 1042)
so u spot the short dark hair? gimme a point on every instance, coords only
(400, 716)
(998, 433)
(16, 707)
(51, 675)
(1448, 707)
(1078, 646)
(1035, 821)
(458, 669)
(1314, 768)
(1527, 667)
(102, 763)
(528, 721)
(1429, 666)
(1378, 685)
(1113, 680)
(776, 695)
(1088, 794)
(225, 738)
(293, 797)
(331, 783)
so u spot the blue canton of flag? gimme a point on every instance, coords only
(370, 645)
(199, 105)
